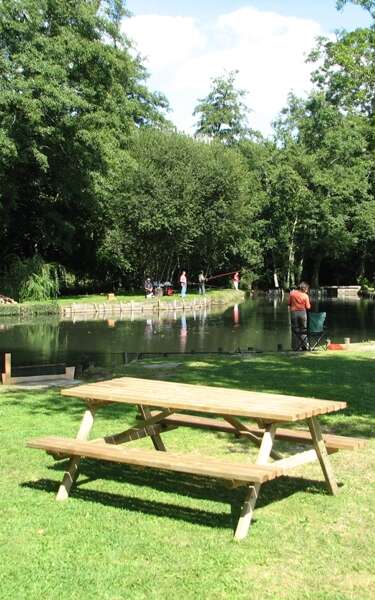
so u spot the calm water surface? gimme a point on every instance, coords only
(258, 323)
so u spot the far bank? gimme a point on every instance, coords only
(107, 305)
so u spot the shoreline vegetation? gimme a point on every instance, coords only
(108, 304)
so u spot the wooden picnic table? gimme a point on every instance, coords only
(170, 402)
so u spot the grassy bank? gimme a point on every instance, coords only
(144, 535)
(28, 309)
(128, 297)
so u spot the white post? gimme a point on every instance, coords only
(72, 470)
(253, 491)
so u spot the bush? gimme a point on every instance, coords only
(40, 285)
(31, 279)
(247, 280)
(364, 283)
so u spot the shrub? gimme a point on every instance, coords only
(364, 283)
(31, 279)
(247, 280)
(42, 285)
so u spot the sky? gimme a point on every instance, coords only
(185, 43)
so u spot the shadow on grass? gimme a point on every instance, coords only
(152, 507)
(181, 484)
(326, 376)
(50, 402)
(340, 377)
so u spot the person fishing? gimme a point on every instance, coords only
(183, 284)
(149, 288)
(299, 304)
(201, 283)
(236, 280)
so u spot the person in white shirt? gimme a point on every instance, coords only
(183, 283)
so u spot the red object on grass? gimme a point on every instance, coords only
(335, 347)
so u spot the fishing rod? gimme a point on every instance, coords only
(221, 275)
(213, 277)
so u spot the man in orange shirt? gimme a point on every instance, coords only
(299, 304)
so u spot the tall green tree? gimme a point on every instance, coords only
(184, 204)
(336, 169)
(346, 78)
(221, 114)
(71, 96)
(347, 70)
(369, 5)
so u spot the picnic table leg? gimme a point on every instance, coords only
(72, 470)
(156, 438)
(240, 427)
(253, 490)
(321, 451)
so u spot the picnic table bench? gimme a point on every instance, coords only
(163, 405)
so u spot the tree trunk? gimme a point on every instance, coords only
(275, 277)
(290, 272)
(362, 266)
(316, 271)
(299, 270)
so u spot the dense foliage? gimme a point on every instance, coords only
(221, 114)
(93, 178)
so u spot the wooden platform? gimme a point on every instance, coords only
(34, 373)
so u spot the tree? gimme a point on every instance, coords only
(71, 95)
(183, 204)
(222, 114)
(369, 5)
(346, 78)
(347, 72)
(336, 172)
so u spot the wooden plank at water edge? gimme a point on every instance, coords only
(200, 398)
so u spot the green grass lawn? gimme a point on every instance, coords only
(127, 533)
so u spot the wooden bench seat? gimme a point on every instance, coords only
(169, 461)
(332, 442)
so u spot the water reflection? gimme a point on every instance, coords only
(183, 333)
(236, 315)
(149, 329)
(261, 323)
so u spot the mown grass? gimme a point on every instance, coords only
(129, 533)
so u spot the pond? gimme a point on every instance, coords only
(259, 323)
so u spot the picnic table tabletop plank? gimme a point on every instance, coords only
(207, 399)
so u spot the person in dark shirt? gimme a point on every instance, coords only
(201, 283)
(149, 288)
